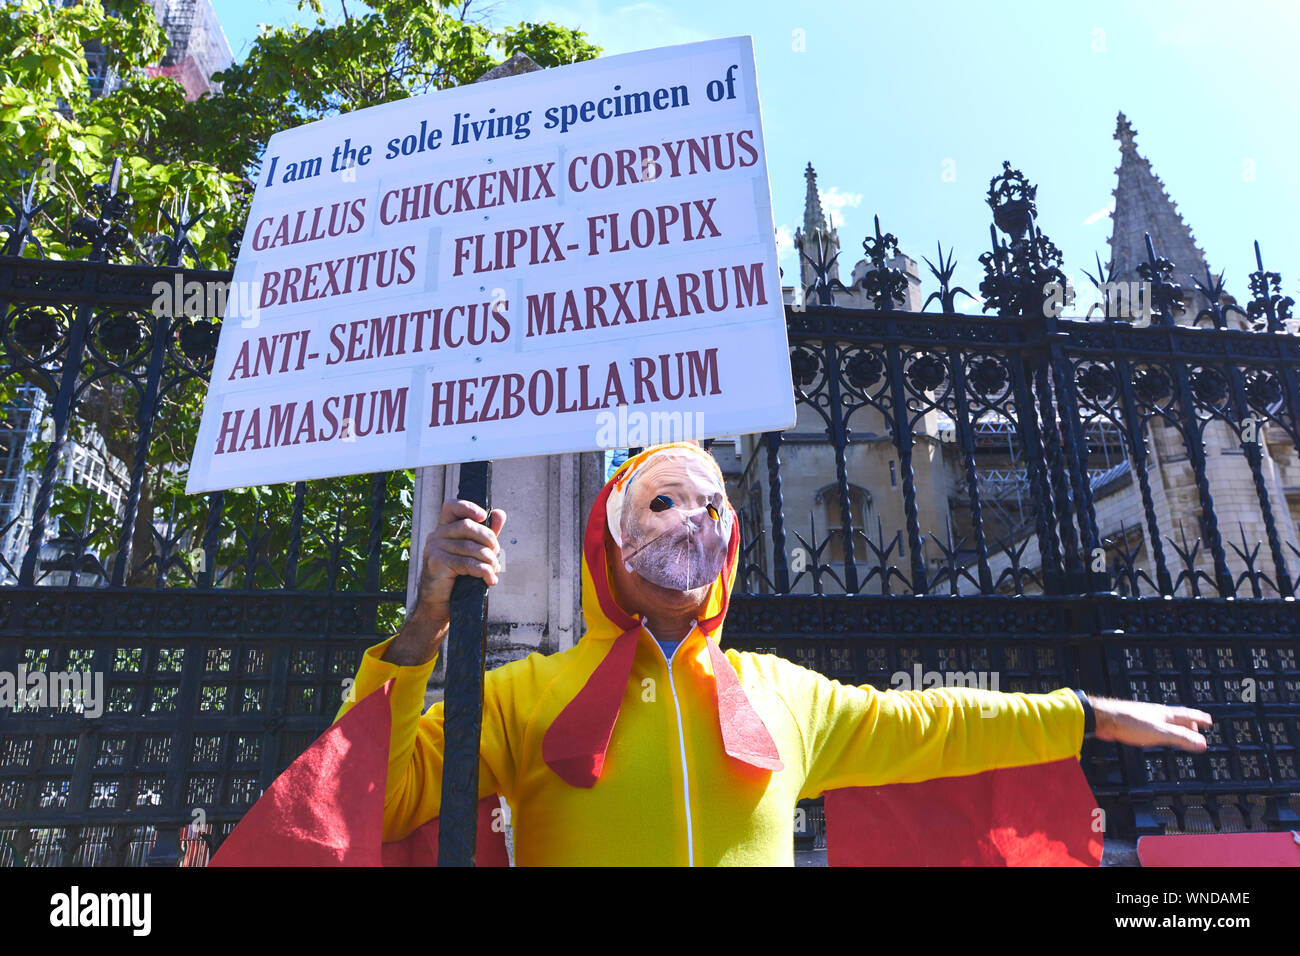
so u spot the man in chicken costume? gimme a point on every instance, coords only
(647, 744)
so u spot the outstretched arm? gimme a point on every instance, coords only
(861, 736)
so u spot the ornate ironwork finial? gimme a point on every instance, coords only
(180, 222)
(881, 247)
(1212, 289)
(1011, 197)
(26, 209)
(1268, 308)
(824, 284)
(1024, 274)
(884, 284)
(1104, 280)
(946, 295)
(1166, 295)
(104, 227)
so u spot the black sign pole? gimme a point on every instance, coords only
(466, 645)
(463, 702)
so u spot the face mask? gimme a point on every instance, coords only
(673, 522)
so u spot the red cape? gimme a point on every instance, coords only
(1040, 815)
(327, 808)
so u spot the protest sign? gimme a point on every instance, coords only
(576, 259)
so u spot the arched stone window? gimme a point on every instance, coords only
(828, 497)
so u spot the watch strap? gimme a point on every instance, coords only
(1089, 715)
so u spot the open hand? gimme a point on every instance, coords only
(1140, 724)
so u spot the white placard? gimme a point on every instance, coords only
(568, 260)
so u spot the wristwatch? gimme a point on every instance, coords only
(1089, 716)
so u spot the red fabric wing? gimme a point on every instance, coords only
(421, 847)
(575, 744)
(744, 735)
(327, 808)
(1039, 815)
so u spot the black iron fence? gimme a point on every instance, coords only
(224, 626)
(1122, 580)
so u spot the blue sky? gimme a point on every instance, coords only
(884, 98)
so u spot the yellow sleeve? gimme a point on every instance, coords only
(862, 737)
(413, 793)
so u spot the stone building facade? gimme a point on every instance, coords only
(808, 466)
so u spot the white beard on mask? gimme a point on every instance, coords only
(672, 521)
(683, 558)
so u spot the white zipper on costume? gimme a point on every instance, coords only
(681, 740)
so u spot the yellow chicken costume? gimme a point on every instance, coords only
(606, 754)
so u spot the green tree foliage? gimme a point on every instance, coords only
(387, 50)
(62, 137)
(58, 134)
